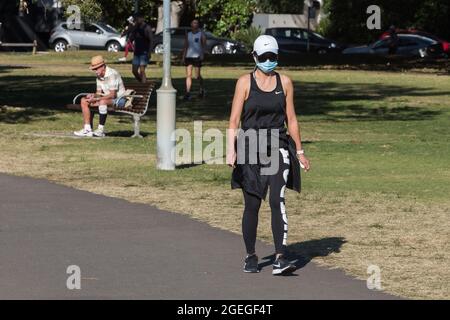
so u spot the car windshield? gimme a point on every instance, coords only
(108, 28)
(379, 43)
(417, 39)
(73, 27)
(422, 34)
(318, 35)
(430, 36)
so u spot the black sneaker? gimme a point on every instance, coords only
(282, 266)
(251, 264)
(187, 97)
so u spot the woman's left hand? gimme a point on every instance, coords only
(304, 161)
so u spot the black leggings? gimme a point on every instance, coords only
(277, 186)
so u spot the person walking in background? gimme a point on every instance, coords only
(126, 33)
(264, 104)
(393, 40)
(142, 35)
(192, 56)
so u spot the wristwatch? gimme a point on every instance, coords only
(300, 152)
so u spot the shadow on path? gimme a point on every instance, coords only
(301, 253)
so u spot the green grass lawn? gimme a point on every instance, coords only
(378, 143)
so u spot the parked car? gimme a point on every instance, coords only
(408, 45)
(93, 36)
(295, 40)
(214, 45)
(445, 44)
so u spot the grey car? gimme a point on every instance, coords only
(89, 36)
(408, 45)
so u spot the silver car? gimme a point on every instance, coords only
(92, 36)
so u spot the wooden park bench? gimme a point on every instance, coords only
(20, 45)
(140, 100)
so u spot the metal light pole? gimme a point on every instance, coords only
(313, 6)
(136, 6)
(166, 102)
(309, 17)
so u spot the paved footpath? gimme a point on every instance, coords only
(135, 251)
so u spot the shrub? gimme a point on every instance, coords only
(247, 36)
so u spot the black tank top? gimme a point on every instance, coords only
(265, 109)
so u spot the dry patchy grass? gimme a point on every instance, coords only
(408, 240)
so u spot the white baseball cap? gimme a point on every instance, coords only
(130, 19)
(265, 43)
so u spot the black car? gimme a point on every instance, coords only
(214, 45)
(295, 40)
(408, 45)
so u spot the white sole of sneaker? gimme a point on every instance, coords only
(83, 136)
(246, 271)
(286, 270)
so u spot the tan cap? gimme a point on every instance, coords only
(96, 62)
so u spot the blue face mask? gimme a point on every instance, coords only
(267, 66)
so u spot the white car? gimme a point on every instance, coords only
(90, 36)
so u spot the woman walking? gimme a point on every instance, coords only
(264, 103)
(126, 33)
(193, 55)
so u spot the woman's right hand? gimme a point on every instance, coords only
(231, 158)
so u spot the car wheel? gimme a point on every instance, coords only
(113, 46)
(159, 48)
(423, 52)
(218, 49)
(60, 45)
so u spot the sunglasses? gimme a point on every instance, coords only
(267, 56)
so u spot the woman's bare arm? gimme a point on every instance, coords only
(292, 122)
(240, 94)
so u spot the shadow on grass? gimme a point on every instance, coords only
(24, 115)
(126, 133)
(334, 61)
(49, 92)
(331, 101)
(6, 68)
(189, 165)
(301, 253)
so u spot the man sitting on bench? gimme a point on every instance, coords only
(110, 88)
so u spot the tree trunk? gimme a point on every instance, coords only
(177, 8)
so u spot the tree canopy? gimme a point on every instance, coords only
(346, 19)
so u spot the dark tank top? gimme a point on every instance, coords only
(266, 110)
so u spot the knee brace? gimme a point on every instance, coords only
(103, 109)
